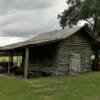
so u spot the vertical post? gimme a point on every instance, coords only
(56, 72)
(23, 58)
(17, 58)
(9, 65)
(26, 63)
(11, 57)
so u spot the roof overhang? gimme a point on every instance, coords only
(46, 38)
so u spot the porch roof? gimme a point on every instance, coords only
(45, 38)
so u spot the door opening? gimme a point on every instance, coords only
(75, 63)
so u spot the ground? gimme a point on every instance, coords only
(79, 87)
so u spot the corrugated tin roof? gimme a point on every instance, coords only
(44, 38)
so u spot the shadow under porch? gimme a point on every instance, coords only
(35, 60)
(42, 59)
(14, 61)
(96, 61)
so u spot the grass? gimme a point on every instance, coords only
(80, 87)
(16, 60)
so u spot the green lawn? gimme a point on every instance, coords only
(80, 87)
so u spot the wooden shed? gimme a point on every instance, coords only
(56, 53)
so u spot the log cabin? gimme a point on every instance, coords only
(55, 53)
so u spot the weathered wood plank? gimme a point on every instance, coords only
(56, 57)
(9, 65)
(26, 63)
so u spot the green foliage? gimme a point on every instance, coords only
(88, 10)
(16, 60)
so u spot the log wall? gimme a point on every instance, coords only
(55, 57)
(77, 43)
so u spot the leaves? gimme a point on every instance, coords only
(81, 10)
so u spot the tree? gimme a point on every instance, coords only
(87, 10)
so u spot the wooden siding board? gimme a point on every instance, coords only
(55, 57)
(77, 43)
(26, 67)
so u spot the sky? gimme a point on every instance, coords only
(24, 19)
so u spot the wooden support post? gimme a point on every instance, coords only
(26, 63)
(17, 58)
(11, 56)
(23, 58)
(10, 62)
(9, 65)
(56, 72)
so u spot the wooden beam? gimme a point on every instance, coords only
(26, 63)
(11, 57)
(9, 65)
(23, 58)
(10, 62)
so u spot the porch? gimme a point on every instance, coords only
(34, 59)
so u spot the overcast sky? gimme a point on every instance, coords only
(23, 19)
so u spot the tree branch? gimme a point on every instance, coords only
(89, 22)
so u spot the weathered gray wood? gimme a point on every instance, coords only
(75, 63)
(55, 57)
(23, 58)
(11, 58)
(9, 64)
(26, 63)
(77, 43)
